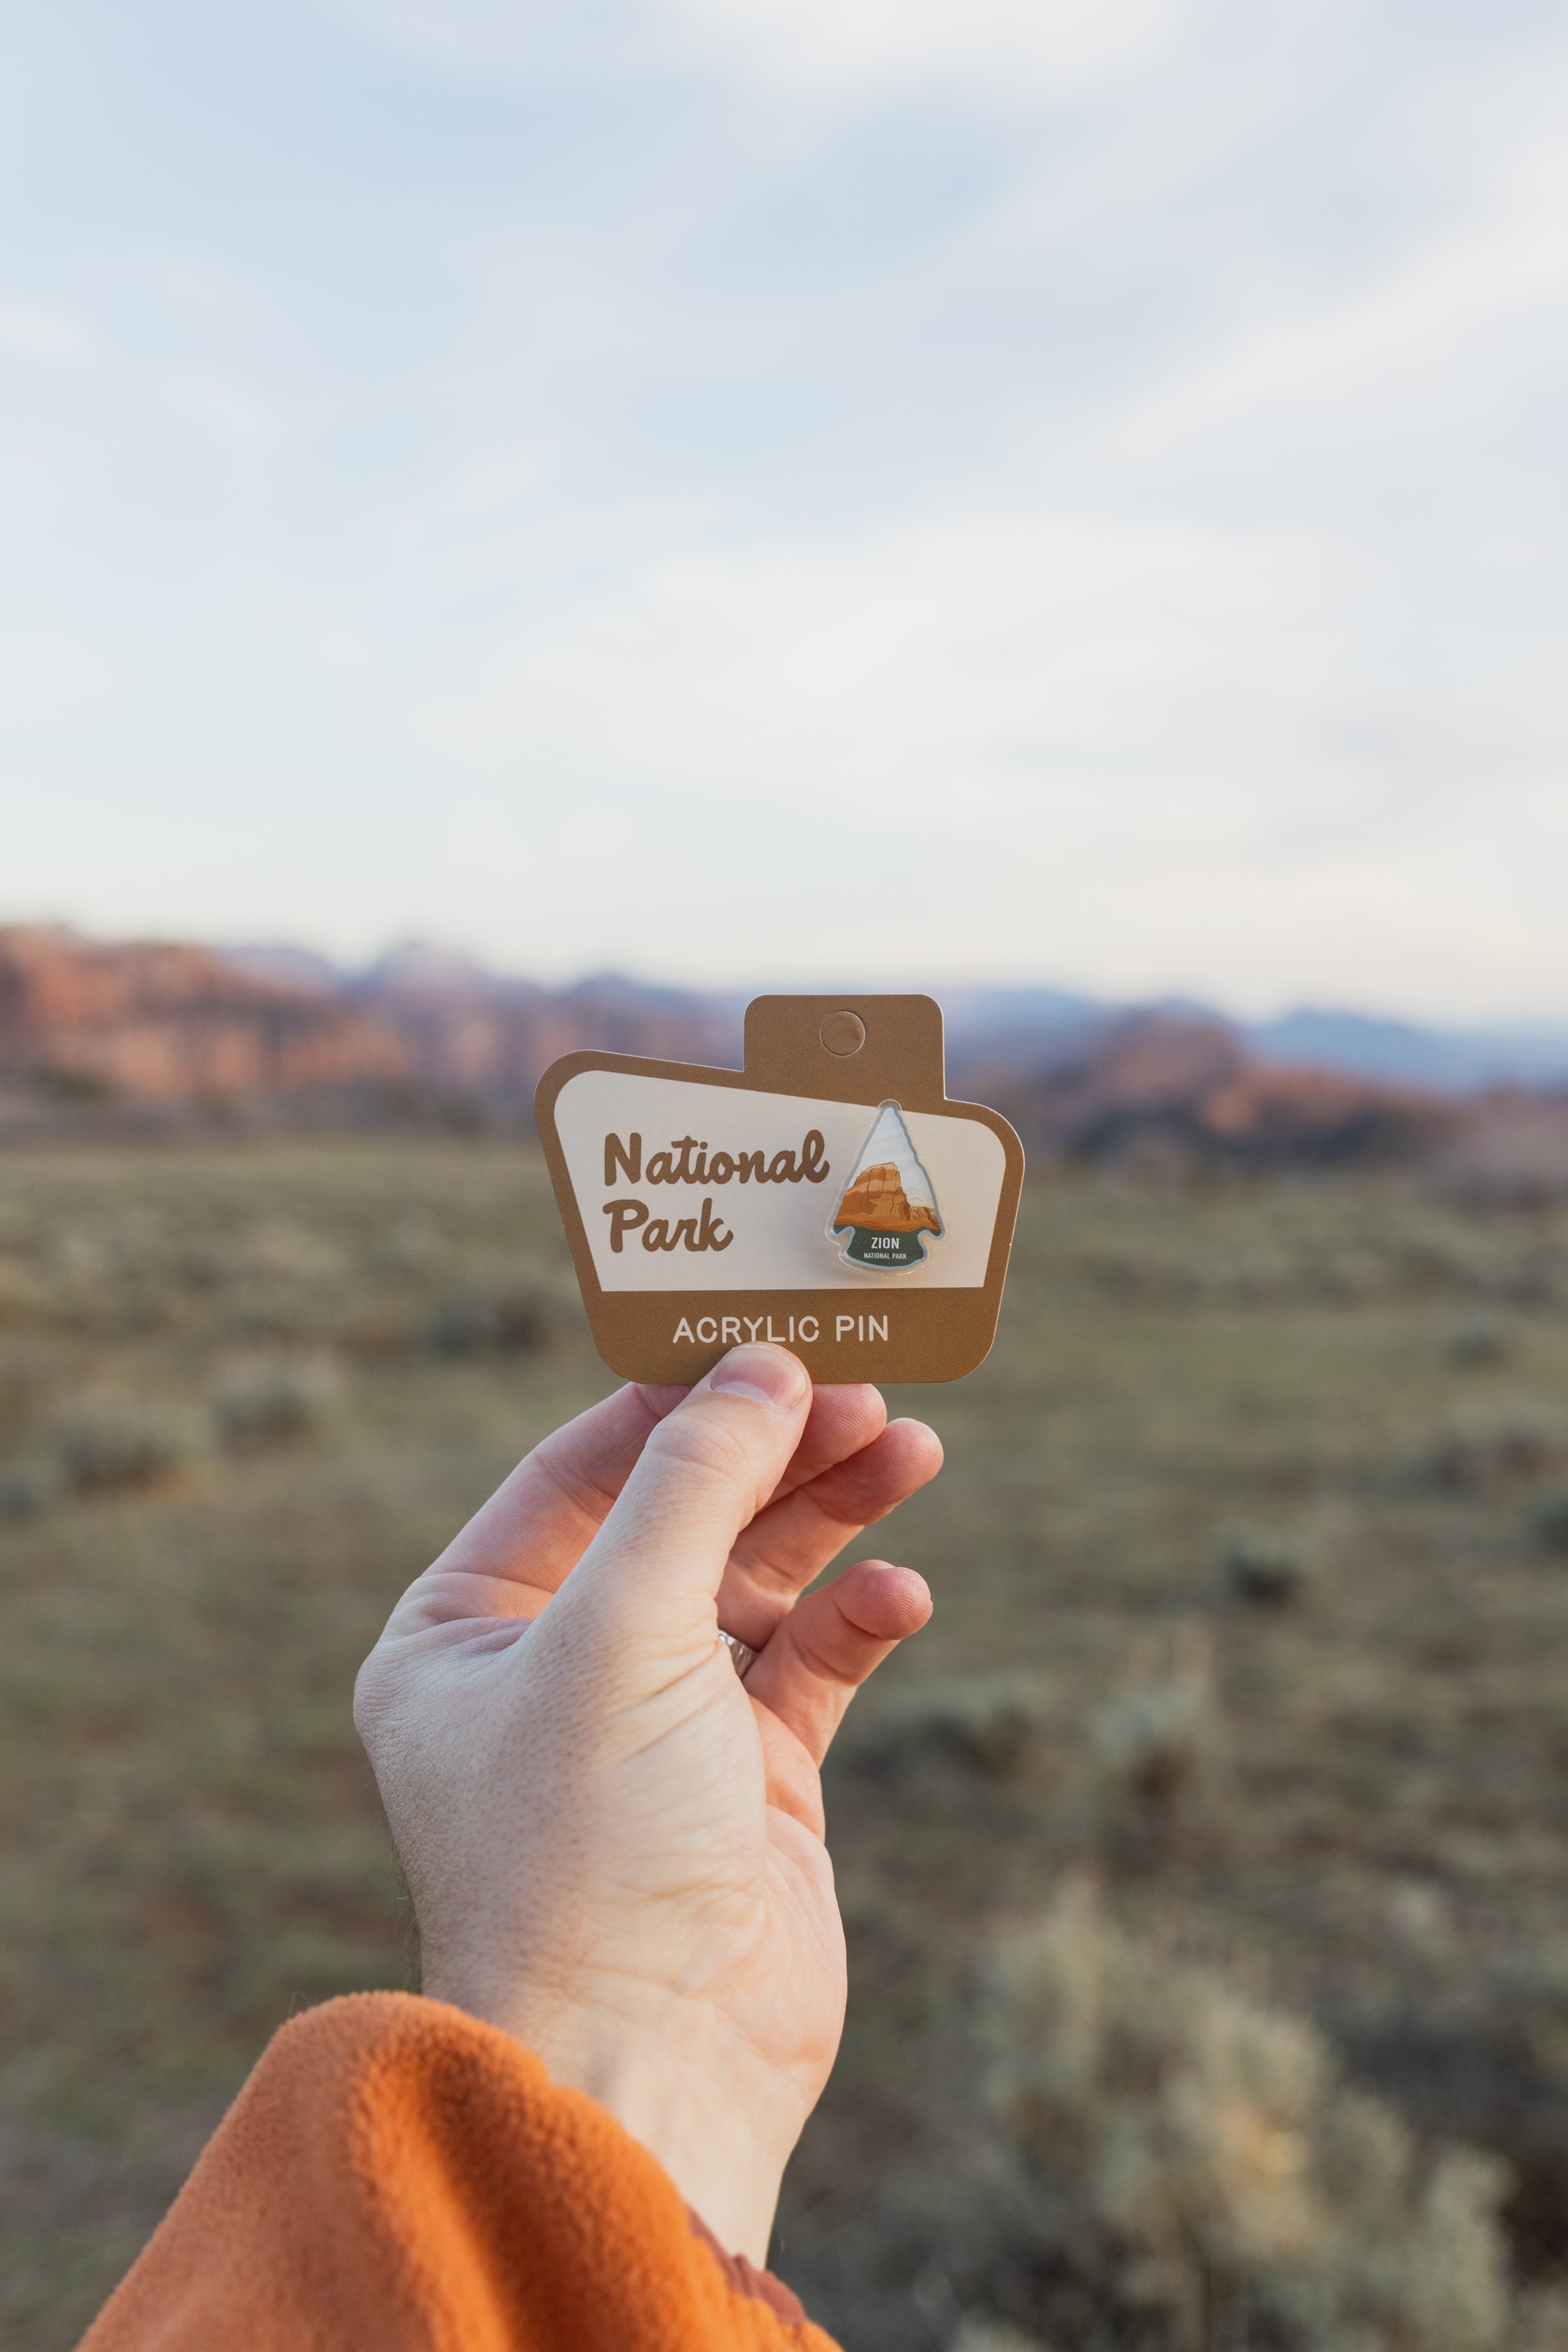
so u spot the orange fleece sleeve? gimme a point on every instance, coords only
(396, 2177)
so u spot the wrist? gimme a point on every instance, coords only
(681, 2079)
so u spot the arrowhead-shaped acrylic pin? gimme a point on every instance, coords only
(889, 1201)
(828, 1197)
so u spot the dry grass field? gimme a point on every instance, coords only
(1205, 1863)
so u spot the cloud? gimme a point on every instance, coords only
(44, 337)
(1441, 304)
(730, 486)
(1009, 50)
(1145, 754)
(970, 649)
(868, 48)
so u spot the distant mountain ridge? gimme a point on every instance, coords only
(1012, 1020)
(1450, 1060)
(1356, 1044)
(154, 1024)
(169, 1033)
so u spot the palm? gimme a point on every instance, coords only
(595, 1817)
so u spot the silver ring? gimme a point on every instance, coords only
(744, 1655)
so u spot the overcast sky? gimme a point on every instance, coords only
(1061, 489)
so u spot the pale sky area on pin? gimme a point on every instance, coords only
(792, 490)
(890, 1140)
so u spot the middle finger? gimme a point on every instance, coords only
(789, 1543)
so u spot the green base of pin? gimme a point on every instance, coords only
(875, 1246)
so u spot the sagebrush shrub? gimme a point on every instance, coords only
(1478, 1340)
(977, 2333)
(1486, 1447)
(990, 1725)
(1549, 1521)
(264, 1398)
(1154, 1742)
(27, 1488)
(511, 1318)
(1269, 1570)
(123, 1442)
(1202, 2150)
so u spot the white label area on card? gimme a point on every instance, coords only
(683, 1186)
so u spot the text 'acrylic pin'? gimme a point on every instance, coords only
(827, 1197)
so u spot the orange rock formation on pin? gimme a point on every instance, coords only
(878, 1199)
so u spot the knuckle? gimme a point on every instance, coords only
(702, 1442)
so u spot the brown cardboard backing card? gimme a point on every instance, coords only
(827, 1196)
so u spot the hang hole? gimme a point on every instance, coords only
(843, 1033)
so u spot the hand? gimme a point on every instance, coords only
(615, 1848)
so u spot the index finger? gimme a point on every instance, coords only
(522, 1544)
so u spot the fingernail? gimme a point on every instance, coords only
(769, 1376)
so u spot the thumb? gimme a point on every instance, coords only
(705, 1472)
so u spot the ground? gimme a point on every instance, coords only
(1338, 1780)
